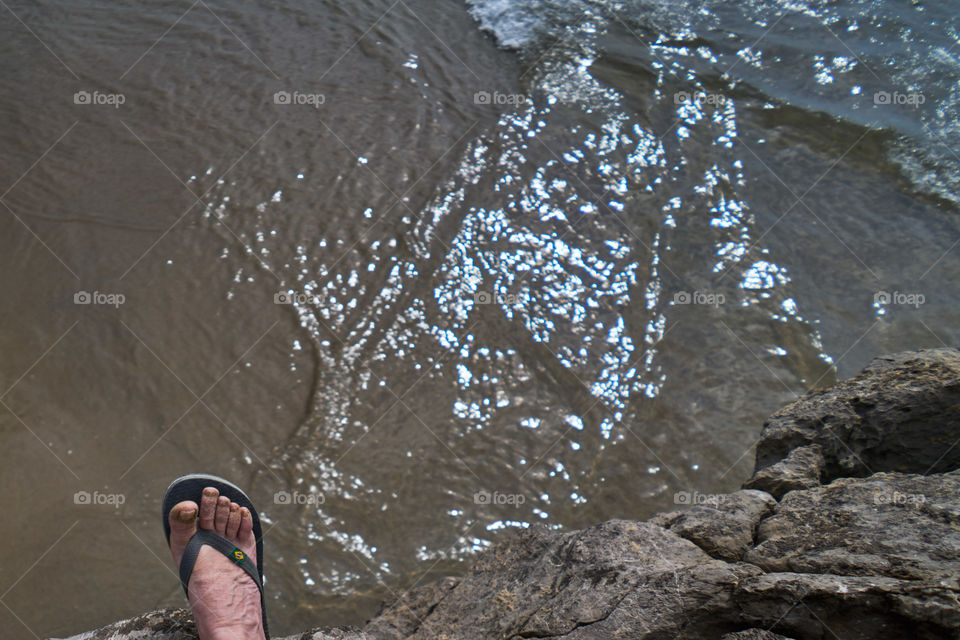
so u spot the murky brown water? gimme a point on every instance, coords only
(434, 290)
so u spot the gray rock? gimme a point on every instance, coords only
(890, 524)
(162, 624)
(396, 619)
(583, 584)
(902, 413)
(754, 634)
(801, 469)
(177, 624)
(725, 531)
(863, 544)
(804, 605)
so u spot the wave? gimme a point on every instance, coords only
(877, 64)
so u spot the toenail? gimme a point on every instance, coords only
(187, 515)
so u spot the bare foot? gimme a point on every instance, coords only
(224, 599)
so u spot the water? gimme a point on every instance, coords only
(546, 262)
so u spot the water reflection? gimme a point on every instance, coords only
(513, 334)
(540, 261)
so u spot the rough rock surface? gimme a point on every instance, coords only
(849, 529)
(176, 624)
(583, 584)
(901, 413)
(753, 634)
(801, 469)
(725, 531)
(890, 524)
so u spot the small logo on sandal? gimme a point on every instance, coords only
(238, 555)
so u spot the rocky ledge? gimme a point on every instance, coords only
(849, 528)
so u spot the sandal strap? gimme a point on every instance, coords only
(224, 546)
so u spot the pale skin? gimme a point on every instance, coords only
(224, 599)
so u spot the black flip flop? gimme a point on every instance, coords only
(190, 487)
